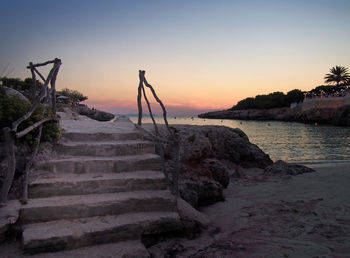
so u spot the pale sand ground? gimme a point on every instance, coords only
(305, 216)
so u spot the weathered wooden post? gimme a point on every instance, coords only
(139, 96)
(9, 138)
(173, 183)
(33, 89)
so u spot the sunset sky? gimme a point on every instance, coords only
(198, 55)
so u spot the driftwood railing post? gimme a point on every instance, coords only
(10, 134)
(139, 104)
(11, 163)
(173, 182)
(33, 89)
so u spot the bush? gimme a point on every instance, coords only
(12, 108)
(74, 95)
(272, 100)
(20, 85)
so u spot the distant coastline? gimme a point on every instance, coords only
(334, 111)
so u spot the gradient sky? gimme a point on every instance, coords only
(199, 55)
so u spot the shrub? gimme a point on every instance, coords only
(74, 95)
(12, 108)
(273, 100)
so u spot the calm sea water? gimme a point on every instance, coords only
(289, 141)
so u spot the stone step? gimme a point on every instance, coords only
(94, 183)
(91, 205)
(72, 234)
(88, 164)
(85, 137)
(98, 149)
(126, 249)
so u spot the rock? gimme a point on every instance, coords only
(9, 215)
(251, 114)
(220, 142)
(206, 152)
(281, 167)
(201, 192)
(94, 113)
(188, 193)
(12, 92)
(187, 212)
(323, 114)
(218, 171)
(342, 116)
(232, 144)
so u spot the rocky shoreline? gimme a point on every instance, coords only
(336, 116)
(212, 156)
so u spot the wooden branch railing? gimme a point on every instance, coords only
(172, 139)
(46, 97)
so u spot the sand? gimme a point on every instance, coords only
(305, 216)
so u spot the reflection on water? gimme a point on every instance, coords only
(285, 140)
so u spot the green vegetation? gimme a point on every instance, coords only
(74, 95)
(18, 84)
(12, 108)
(338, 75)
(272, 100)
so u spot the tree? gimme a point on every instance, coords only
(338, 74)
(74, 95)
(295, 96)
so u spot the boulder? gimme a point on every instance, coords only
(187, 212)
(218, 171)
(9, 215)
(283, 168)
(201, 192)
(220, 142)
(13, 93)
(94, 113)
(342, 116)
(206, 152)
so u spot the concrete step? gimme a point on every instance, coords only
(71, 234)
(85, 137)
(80, 206)
(94, 183)
(98, 149)
(88, 164)
(125, 249)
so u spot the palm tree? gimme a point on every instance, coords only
(337, 75)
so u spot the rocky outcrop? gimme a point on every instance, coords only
(207, 155)
(12, 92)
(283, 168)
(337, 116)
(9, 215)
(251, 114)
(342, 116)
(94, 113)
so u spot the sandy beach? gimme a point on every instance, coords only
(305, 216)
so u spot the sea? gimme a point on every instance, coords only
(289, 141)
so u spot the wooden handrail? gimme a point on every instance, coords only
(173, 182)
(42, 95)
(11, 164)
(10, 134)
(46, 63)
(32, 127)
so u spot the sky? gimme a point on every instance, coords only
(198, 55)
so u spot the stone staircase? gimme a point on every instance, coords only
(101, 188)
